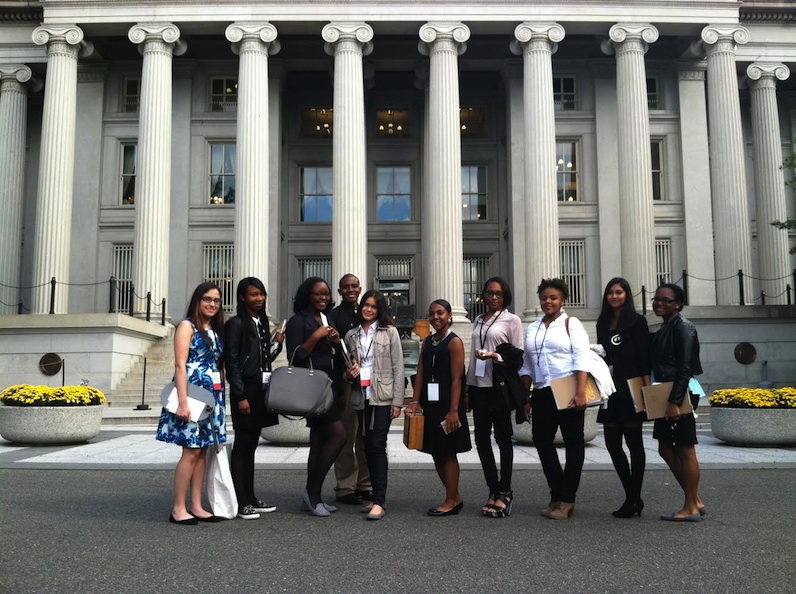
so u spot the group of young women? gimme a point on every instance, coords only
(505, 365)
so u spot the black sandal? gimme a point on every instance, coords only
(488, 508)
(506, 498)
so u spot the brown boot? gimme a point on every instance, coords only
(563, 512)
(550, 508)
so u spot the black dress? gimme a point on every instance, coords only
(627, 350)
(437, 368)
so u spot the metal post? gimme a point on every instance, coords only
(52, 296)
(148, 304)
(762, 297)
(685, 286)
(163, 312)
(740, 287)
(20, 306)
(63, 372)
(644, 300)
(111, 294)
(131, 299)
(787, 292)
(143, 405)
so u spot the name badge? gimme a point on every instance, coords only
(266, 378)
(364, 377)
(480, 367)
(433, 392)
(215, 377)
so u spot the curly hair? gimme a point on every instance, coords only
(554, 283)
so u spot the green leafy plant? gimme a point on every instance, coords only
(754, 398)
(27, 395)
(789, 164)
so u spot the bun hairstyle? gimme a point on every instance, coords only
(554, 283)
(447, 307)
(679, 294)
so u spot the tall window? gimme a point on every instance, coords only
(321, 267)
(315, 194)
(394, 279)
(476, 271)
(393, 194)
(656, 148)
(564, 93)
(127, 176)
(473, 193)
(223, 158)
(224, 94)
(218, 261)
(567, 171)
(123, 273)
(131, 95)
(653, 98)
(573, 270)
(663, 261)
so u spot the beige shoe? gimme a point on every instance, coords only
(563, 512)
(550, 508)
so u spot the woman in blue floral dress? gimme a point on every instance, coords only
(198, 346)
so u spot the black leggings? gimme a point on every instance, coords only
(489, 409)
(246, 440)
(630, 474)
(326, 441)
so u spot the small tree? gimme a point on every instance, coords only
(789, 164)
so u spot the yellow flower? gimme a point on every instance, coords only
(755, 398)
(27, 395)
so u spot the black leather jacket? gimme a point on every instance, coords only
(243, 364)
(674, 355)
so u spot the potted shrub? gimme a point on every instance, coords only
(41, 415)
(754, 416)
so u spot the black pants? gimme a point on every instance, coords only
(545, 420)
(489, 409)
(242, 464)
(376, 424)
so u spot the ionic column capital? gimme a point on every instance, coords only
(70, 34)
(166, 33)
(713, 34)
(629, 36)
(765, 73)
(546, 34)
(336, 32)
(18, 72)
(436, 32)
(259, 32)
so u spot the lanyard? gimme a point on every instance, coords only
(484, 333)
(364, 355)
(539, 347)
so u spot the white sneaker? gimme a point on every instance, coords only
(262, 507)
(248, 513)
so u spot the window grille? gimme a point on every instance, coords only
(394, 267)
(132, 95)
(573, 271)
(476, 271)
(218, 261)
(663, 261)
(321, 267)
(123, 273)
(653, 99)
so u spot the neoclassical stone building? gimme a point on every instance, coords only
(422, 145)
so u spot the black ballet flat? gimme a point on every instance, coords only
(192, 521)
(438, 513)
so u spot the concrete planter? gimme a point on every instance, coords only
(754, 426)
(522, 433)
(288, 432)
(46, 425)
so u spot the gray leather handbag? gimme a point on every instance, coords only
(299, 391)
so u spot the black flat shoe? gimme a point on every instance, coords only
(437, 513)
(350, 499)
(367, 494)
(210, 519)
(186, 522)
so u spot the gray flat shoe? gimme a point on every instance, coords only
(375, 515)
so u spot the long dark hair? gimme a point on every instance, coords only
(607, 313)
(302, 299)
(216, 322)
(383, 317)
(243, 286)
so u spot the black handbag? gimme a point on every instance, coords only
(299, 391)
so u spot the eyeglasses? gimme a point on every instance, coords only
(211, 300)
(664, 301)
(493, 293)
(320, 294)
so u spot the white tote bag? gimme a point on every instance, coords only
(220, 488)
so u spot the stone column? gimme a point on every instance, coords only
(53, 232)
(153, 180)
(731, 223)
(636, 217)
(253, 42)
(537, 42)
(772, 243)
(443, 258)
(348, 43)
(695, 161)
(13, 126)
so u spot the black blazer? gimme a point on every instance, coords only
(506, 377)
(674, 354)
(243, 365)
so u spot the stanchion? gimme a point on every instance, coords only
(163, 312)
(740, 287)
(52, 296)
(143, 405)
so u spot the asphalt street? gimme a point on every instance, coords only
(87, 531)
